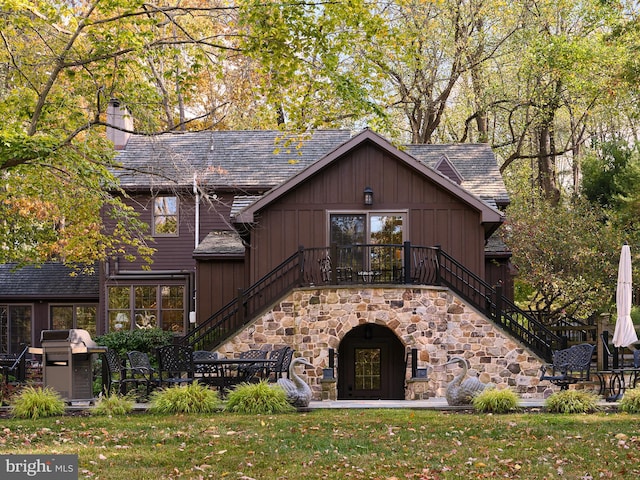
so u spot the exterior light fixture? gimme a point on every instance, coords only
(368, 196)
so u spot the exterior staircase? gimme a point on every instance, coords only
(385, 264)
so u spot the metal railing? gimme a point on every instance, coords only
(403, 264)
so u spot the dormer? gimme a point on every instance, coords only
(448, 169)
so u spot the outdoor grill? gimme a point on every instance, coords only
(67, 362)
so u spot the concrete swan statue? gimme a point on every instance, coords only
(461, 391)
(298, 392)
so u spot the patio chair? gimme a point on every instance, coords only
(141, 371)
(175, 365)
(281, 359)
(249, 371)
(206, 371)
(116, 374)
(14, 365)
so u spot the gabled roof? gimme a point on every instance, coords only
(489, 213)
(475, 162)
(50, 280)
(225, 160)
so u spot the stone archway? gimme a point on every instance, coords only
(371, 364)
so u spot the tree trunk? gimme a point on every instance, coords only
(547, 162)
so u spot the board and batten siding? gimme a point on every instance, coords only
(300, 217)
(217, 284)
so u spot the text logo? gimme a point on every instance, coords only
(50, 467)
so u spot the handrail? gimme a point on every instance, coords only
(379, 264)
(497, 307)
(247, 304)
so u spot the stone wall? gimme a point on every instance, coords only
(431, 319)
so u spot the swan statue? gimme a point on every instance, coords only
(297, 391)
(461, 391)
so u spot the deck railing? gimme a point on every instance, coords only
(401, 264)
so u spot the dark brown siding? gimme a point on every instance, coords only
(176, 253)
(300, 217)
(216, 284)
(500, 270)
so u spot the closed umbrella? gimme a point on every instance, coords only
(624, 334)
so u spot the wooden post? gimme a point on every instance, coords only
(498, 301)
(603, 326)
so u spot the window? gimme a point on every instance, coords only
(146, 306)
(352, 230)
(64, 317)
(165, 216)
(367, 369)
(15, 327)
(362, 228)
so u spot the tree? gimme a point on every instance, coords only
(562, 76)
(566, 254)
(60, 63)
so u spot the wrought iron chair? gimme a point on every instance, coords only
(249, 372)
(281, 359)
(115, 373)
(141, 371)
(205, 371)
(175, 365)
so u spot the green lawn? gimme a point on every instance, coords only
(338, 444)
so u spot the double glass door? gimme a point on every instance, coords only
(369, 244)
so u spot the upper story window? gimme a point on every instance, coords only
(165, 215)
(366, 227)
(370, 244)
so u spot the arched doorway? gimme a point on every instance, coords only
(372, 364)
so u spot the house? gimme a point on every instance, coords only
(36, 298)
(358, 218)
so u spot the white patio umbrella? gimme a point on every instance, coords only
(624, 334)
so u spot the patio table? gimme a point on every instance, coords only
(230, 372)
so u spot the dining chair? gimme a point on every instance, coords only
(116, 373)
(205, 370)
(249, 372)
(141, 371)
(280, 360)
(175, 365)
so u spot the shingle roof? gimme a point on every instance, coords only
(220, 242)
(491, 216)
(49, 280)
(223, 159)
(475, 162)
(262, 159)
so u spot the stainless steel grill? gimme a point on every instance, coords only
(67, 362)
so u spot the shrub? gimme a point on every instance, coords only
(630, 402)
(572, 401)
(112, 405)
(258, 398)
(492, 400)
(142, 340)
(192, 398)
(36, 403)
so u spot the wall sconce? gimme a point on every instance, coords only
(368, 196)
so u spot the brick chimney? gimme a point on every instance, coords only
(118, 118)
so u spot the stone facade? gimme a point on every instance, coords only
(430, 319)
